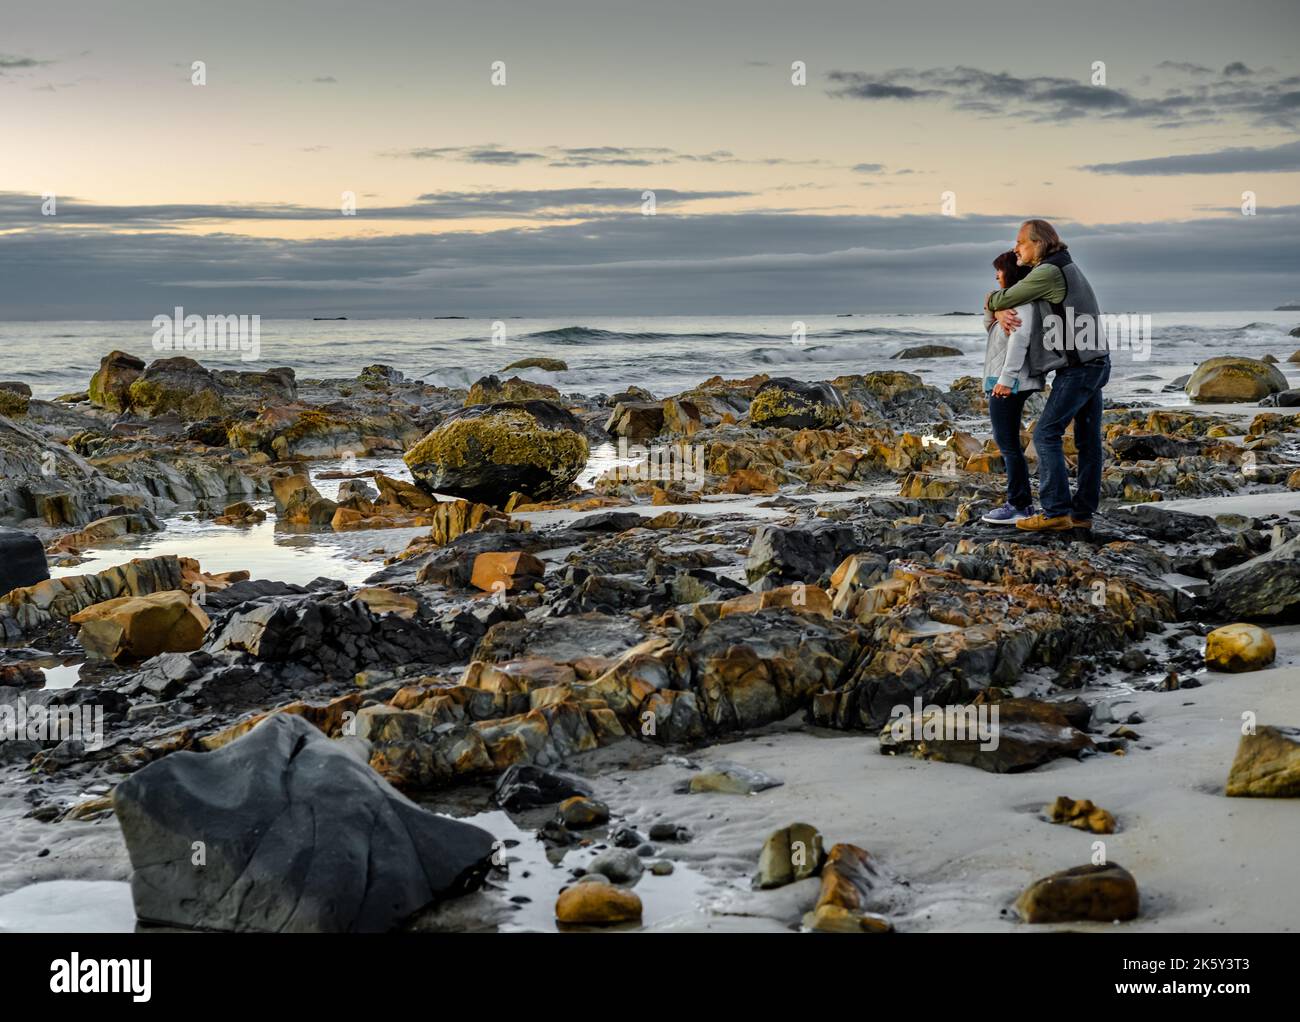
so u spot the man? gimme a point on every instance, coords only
(1075, 348)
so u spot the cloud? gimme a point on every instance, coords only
(18, 210)
(8, 63)
(14, 67)
(1278, 159)
(584, 156)
(1266, 101)
(326, 80)
(490, 154)
(1185, 66)
(869, 168)
(757, 263)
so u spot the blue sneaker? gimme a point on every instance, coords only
(1007, 514)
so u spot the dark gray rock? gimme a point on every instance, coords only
(293, 833)
(1150, 446)
(524, 786)
(669, 832)
(608, 521)
(563, 640)
(22, 560)
(1265, 588)
(929, 351)
(619, 865)
(784, 554)
(336, 635)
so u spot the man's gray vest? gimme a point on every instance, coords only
(1074, 333)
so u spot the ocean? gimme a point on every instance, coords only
(663, 354)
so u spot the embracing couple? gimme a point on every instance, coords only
(1043, 303)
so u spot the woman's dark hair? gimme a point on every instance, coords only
(1015, 273)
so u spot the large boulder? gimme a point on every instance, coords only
(285, 830)
(132, 628)
(179, 385)
(794, 404)
(111, 384)
(487, 452)
(15, 398)
(1230, 378)
(1239, 647)
(22, 560)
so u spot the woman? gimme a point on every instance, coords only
(1009, 385)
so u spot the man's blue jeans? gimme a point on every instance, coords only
(1075, 397)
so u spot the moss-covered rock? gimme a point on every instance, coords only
(110, 385)
(491, 389)
(794, 404)
(929, 351)
(379, 377)
(14, 398)
(550, 365)
(1267, 765)
(178, 385)
(1229, 378)
(487, 452)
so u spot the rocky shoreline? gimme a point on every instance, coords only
(760, 560)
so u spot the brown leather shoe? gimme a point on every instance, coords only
(1041, 523)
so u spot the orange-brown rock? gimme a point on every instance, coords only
(849, 879)
(132, 628)
(517, 675)
(511, 571)
(597, 905)
(388, 601)
(1103, 894)
(805, 599)
(333, 719)
(749, 480)
(1081, 814)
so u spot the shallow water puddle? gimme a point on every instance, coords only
(59, 674)
(665, 899)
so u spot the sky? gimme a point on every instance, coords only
(500, 158)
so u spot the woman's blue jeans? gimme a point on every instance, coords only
(1004, 416)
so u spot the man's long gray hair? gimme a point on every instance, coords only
(1041, 230)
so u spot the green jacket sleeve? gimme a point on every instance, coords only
(1044, 281)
